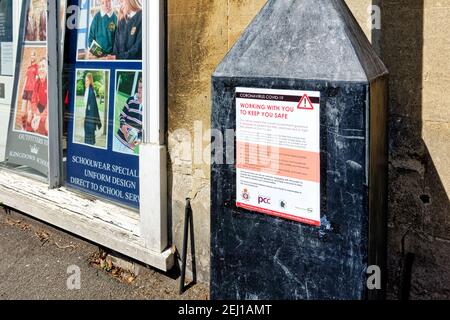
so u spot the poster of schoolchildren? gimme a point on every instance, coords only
(105, 123)
(112, 30)
(32, 101)
(91, 108)
(27, 143)
(128, 112)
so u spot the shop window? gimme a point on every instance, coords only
(24, 108)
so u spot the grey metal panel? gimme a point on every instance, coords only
(254, 256)
(54, 96)
(369, 59)
(301, 39)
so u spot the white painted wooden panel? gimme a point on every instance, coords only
(103, 223)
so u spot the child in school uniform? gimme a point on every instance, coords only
(128, 41)
(103, 28)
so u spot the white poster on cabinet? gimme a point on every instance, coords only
(278, 153)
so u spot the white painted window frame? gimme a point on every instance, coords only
(143, 237)
(153, 153)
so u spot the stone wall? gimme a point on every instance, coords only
(416, 48)
(414, 44)
(200, 34)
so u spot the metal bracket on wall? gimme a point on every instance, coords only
(188, 222)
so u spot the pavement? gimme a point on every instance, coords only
(39, 262)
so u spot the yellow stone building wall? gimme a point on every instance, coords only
(415, 46)
(413, 42)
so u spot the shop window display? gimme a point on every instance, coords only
(100, 82)
(27, 124)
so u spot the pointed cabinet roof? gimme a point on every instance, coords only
(303, 39)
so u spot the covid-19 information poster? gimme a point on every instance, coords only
(278, 153)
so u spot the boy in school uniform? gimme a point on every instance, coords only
(130, 121)
(103, 28)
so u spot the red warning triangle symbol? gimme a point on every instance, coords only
(305, 103)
